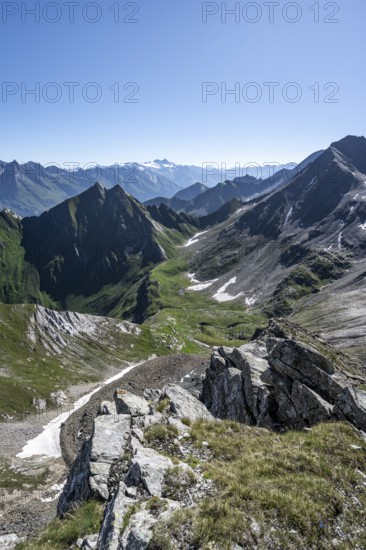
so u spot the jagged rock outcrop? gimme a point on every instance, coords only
(286, 378)
(233, 387)
(351, 405)
(127, 403)
(124, 464)
(184, 405)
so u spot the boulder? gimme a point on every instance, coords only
(107, 408)
(9, 542)
(149, 468)
(111, 435)
(351, 405)
(184, 404)
(139, 530)
(59, 398)
(40, 404)
(90, 542)
(128, 403)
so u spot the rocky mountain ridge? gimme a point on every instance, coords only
(286, 378)
(85, 253)
(144, 463)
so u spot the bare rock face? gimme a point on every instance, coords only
(113, 520)
(128, 471)
(149, 468)
(77, 488)
(299, 362)
(286, 378)
(351, 405)
(127, 403)
(234, 389)
(184, 405)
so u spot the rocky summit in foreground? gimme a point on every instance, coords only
(285, 378)
(270, 454)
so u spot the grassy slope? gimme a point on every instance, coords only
(175, 312)
(28, 370)
(60, 534)
(19, 281)
(178, 322)
(297, 490)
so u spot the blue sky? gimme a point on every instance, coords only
(169, 53)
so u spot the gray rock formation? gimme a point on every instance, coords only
(58, 398)
(285, 379)
(77, 488)
(9, 542)
(127, 403)
(351, 405)
(149, 468)
(184, 405)
(234, 388)
(119, 467)
(138, 533)
(113, 520)
(89, 543)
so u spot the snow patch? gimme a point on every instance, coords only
(199, 286)
(192, 277)
(289, 214)
(57, 489)
(362, 226)
(250, 301)
(194, 239)
(202, 286)
(222, 296)
(47, 443)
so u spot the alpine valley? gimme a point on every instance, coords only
(197, 325)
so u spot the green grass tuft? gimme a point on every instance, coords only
(61, 534)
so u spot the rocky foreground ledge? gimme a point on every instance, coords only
(118, 466)
(141, 460)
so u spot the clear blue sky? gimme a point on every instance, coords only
(170, 52)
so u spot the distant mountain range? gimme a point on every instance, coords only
(30, 189)
(199, 200)
(296, 240)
